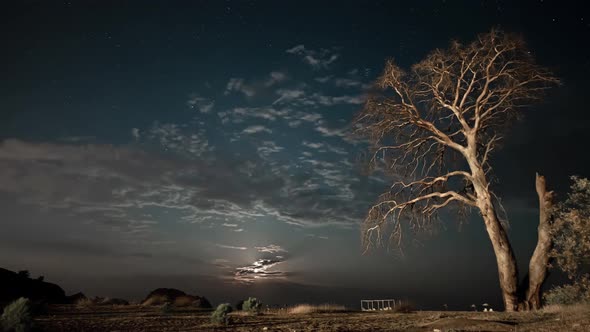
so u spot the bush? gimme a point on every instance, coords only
(17, 316)
(219, 316)
(576, 293)
(252, 305)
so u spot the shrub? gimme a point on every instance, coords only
(576, 293)
(252, 305)
(17, 316)
(219, 316)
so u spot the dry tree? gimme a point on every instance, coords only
(434, 129)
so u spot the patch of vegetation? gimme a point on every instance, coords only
(571, 229)
(576, 293)
(252, 305)
(219, 316)
(17, 316)
(571, 240)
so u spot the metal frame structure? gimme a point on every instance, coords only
(378, 305)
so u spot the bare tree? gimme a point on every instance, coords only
(435, 128)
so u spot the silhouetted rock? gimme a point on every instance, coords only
(14, 285)
(167, 294)
(176, 297)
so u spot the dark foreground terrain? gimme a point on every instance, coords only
(138, 318)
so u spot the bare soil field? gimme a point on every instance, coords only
(138, 318)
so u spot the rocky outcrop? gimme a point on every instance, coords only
(175, 297)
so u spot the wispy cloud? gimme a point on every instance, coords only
(316, 59)
(256, 129)
(261, 269)
(323, 79)
(135, 133)
(239, 85)
(347, 83)
(266, 113)
(202, 104)
(286, 95)
(268, 147)
(310, 117)
(173, 137)
(355, 100)
(271, 249)
(275, 77)
(230, 247)
(312, 145)
(299, 97)
(329, 132)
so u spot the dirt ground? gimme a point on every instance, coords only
(137, 318)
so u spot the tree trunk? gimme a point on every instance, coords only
(505, 259)
(540, 260)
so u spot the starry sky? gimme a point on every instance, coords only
(204, 145)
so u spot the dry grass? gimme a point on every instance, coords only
(312, 309)
(240, 313)
(143, 318)
(572, 308)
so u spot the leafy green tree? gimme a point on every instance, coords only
(571, 244)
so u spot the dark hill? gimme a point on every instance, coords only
(175, 297)
(14, 285)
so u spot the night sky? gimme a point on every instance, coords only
(203, 145)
